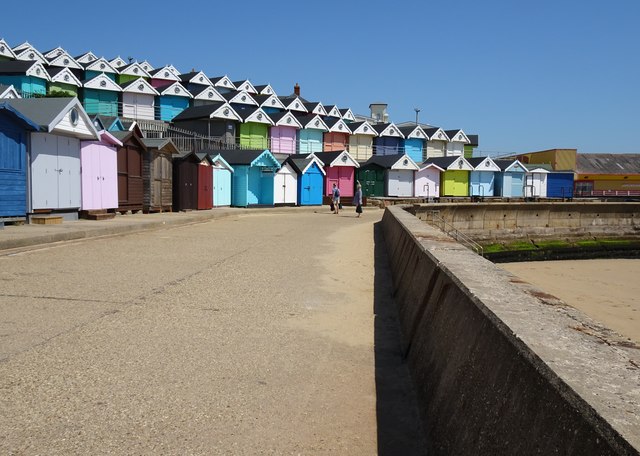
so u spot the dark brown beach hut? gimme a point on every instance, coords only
(130, 161)
(157, 174)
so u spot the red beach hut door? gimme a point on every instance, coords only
(205, 187)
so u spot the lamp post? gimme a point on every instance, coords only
(417, 110)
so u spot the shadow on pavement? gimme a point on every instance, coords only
(399, 426)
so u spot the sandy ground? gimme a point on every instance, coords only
(606, 290)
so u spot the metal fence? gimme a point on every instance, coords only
(450, 230)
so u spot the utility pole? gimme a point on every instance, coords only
(417, 110)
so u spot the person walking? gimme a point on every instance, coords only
(357, 199)
(336, 198)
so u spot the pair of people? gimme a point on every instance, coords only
(357, 199)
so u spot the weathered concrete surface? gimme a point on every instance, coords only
(252, 334)
(501, 367)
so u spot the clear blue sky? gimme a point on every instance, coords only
(523, 75)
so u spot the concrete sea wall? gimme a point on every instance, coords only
(499, 366)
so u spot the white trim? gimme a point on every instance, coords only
(334, 112)
(365, 129)
(292, 121)
(296, 105)
(454, 166)
(118, 62)
(487, 165)
(96, 83)
(537, 170)
(340, 127)
(417, 133)
(87, 57)
(71, 79)
(146, 66)
(392, 131)
(74, 103)
(319, 109)
(215, 96)
(53, 53)
(224, 83)
(514, 164)
(460, 137)
(96, 66)
(200, 78)
(268, 90)
(409, 165)
(22, 46)
(318, 124)
(225, 112)
(10, 92)
(174, 70)
(31, 53)
(259, 116)
(431, 165)
(140, 86)
(223, 163)
(37, 71)
(439, 135)
(165, 74)
(349, 115)
(340, 162)
(317, 161)
(273, 102)
(176, 90)
(65, 60)
(243, 97)
(247, 87)
(130, 70)
(5, 49)
(109, 138)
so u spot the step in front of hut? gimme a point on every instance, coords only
(47, 219)
(98, 214)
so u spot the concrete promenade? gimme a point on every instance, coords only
(268, 331)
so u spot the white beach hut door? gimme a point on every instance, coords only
(279, 188)
(44, 171)
(291, 188)
(69, 183)
(400, 183)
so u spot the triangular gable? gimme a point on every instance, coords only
(176, 90)
(85, 58)
(102, 65)
(246, 86)
(516, 167)
(347, 114)
(9, 92)
(439, 135)
(146, 66)
(22, 46)
(66, 76)
(416, 133)
(65, 60)
(107, 123)
(460, 164)
(424, 166)
(30, 53)
(316, 123)
(164, 73)
(259, 116)
(457, 136)
(53, 53)
(209, 93)
(391, 130)
(134, 69)
(116, 125)
(266, 157)
(272, 101)
(405, 162)
(223, 82)
(344, 159)
(37, 70)
(532, 168)
(340, 126)
(5, 50)
(242, 97)
(139, 86)
(293, 104)
(288, 120)
(219, 162)
(487, 165)
(265, 90)
(102, 82)
(316, 108)
(363, 128)
(311, 160)
(72, 118)
(174, 70)
(108, 138)
(198, 78)
(225, 112)
(333, 111)
(118, 62)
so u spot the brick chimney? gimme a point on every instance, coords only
(296, 89)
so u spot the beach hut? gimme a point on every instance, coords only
(55, 151)
(109, 123)
(315, 107)
(203, 95)
(138, 100)
(436, 142)
(239, 99)
(482, 178)
(97, 67)
(118, 63)
(371, 176)
(27, 52)
(310, 136)
(8, 91)
(221, 180)
(64, 60)
(146, 66)
(347, 115)
(285, 183)
(361, 140)
(130, 165)
(389, 139)
(157, 174)
(265, 89)
(427, 181)
(454, 180)
(62, 82)
(214, 120)
(333, 111)
(132, 72)
(192, 181)
(509, 181)
(283, 133)
(14, 139)
(337, 138)
(99, 164)
(195, 79)
(27, 77)
(253, 177)
(398, 175)
(85, 58)
(6, 53)
(173, 99)
(222, 84)
(163, 77)
(413, 144)
(339, 168)
(294, 103)
(457, 140)
(311, 174)
(560, 184)
(100, 96)
(535, 181)
(253, 132)
(269, 103)
(245, 85)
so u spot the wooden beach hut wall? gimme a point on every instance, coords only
(157, 174)
(55, 182)
(437, 142)
(253, 176)
(285, 183)
(100, 66)
(310, 179)
(310, 136)
(27, 77)
(131, 72)
(535, 181)
(398, 174)
(100, 96)
(457, 140)
(173, 99)
(63, 82)
(283, 133)
(482, 178)
(130, 165)
(337, 138)
(427, 181)
(340, 169)
(203, 95)
(510, 180)
(269, 103)
(413, 144)
(8, 91)
(389, 139)
(99, 164)
(163, 77)
(371, 176)
(139, 100)
(253, 132)
(222, 172)
(454, 180)
(215, 120)
(6, 53)
(15, 129)
(361, 140)
(193, 181)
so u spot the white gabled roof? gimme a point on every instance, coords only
(288, 120)
(316, 123)
(102, 65)
(66, 76)
(218, 161)
(5, 50)
(295, 104)
(87, 57)
(173, 69)
(272, 101)
(533, 169)
(313, 159)
(225, 111)
(364, 128)
(224, 82)
(487, 165)
(65, 60)
(405, 162)
(267, 90)
(118, 62)
(247, 87)
(10, 92)
(146, 66)
(102, 82)
(459, 136)
(340, 127)
(417, 133)
(30, 53)
(345, 159)
(516, 166)
(348, 115)
(391, 130)
(439, 135)
(37, 71)
(333, 111)
(243, 97)
(165, 73)
(134, 69)
(176, 90)
(22, 46)
(139, 86)
(424, 166)
(460, 164)
(211, 94)
(200, 78)
(53, 53)
(259, 116)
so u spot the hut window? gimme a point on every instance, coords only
(102, 66)
(418, 133)
(486, 164)
(273, 102)
(2, 48)
(289, 121)
(317, 123)
(344, 159)
(392, 131)
(259, 116)
(66, 77)
(297, 106)
(210, 94)
(166, 74)
(243, 98)
(224, 82)
(103, 83)
(226, 112)
(38, 71)
(405, 162)
(366, 129)
(32, 55)
(140, 87)
(201, 79)
(339, 126)
(74, 116)
(176, 90)
(135, 70)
